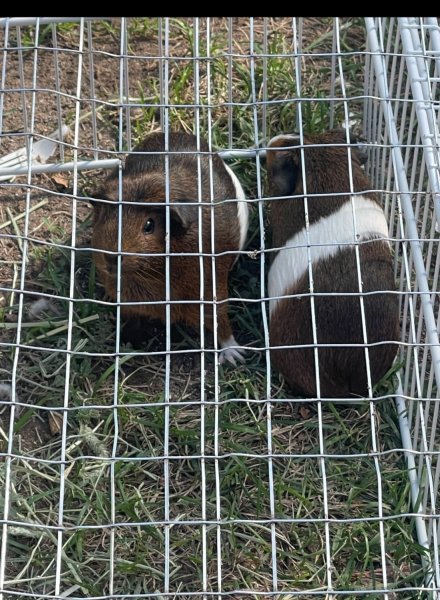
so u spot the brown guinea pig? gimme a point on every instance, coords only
(342, 369)
(143, 277)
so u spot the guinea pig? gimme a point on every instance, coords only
(143, 233)
(333, 240)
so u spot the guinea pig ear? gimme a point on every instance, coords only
(282, 165)
(183, 214)
(360, 148)
(357, 142)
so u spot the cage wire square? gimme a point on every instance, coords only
(150, 470)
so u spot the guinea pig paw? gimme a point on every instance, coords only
(230, 354)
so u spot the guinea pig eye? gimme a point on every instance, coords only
(149, 226)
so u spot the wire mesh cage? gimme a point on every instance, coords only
(135, 461)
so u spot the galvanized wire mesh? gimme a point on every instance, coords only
(141, 529)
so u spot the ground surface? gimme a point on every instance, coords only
(99, 440)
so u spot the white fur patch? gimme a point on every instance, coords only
(242, 207)
(6, 396)
(5, 392)
(289, 137)
(37, 308)
(326, 235)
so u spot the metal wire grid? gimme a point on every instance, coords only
(401, 86)
(413, 137)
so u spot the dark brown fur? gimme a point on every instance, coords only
(143, 278)
(338, 318)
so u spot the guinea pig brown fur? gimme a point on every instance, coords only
(333, 238)
(144, 231)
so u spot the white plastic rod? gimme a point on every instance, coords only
(411, 234)
(41, 152)
(61, 167)
(405, 434)
(419, 77)
(27, 21)
(405, 198)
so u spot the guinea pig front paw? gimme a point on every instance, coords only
(231, 354)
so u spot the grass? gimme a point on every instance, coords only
(125, 458)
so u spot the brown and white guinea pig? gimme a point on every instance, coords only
(342, 370)
(144, 231)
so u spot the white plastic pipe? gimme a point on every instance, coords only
(27, 21)
(377, 58)
(419, 79)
